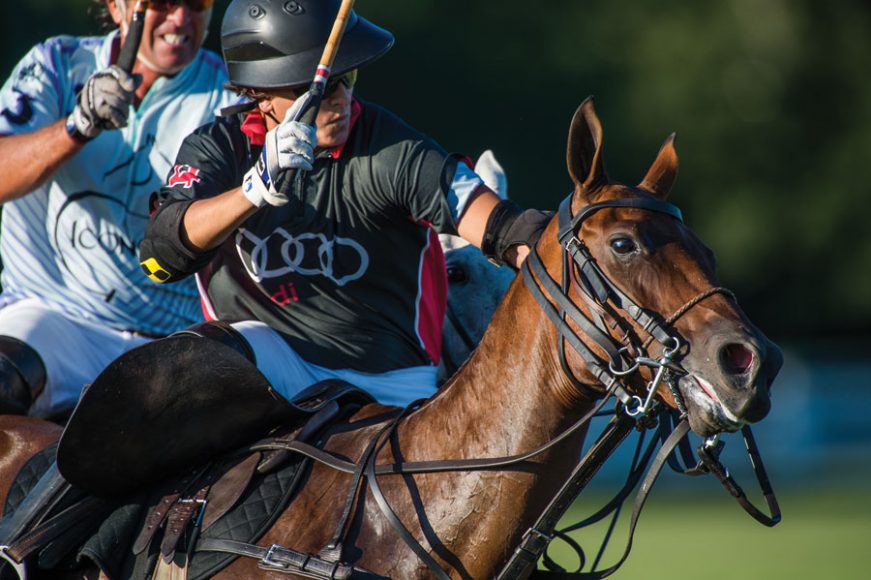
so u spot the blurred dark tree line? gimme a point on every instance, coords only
(770, 99)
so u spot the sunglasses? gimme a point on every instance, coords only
(169, 5)
(348, 79)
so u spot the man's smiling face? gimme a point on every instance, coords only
(173, 32)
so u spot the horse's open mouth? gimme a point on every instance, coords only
(707, 413)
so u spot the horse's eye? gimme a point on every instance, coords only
(623, 246)
(456, 274)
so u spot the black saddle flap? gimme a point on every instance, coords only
(162, 408)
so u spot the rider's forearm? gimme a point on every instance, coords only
(208, 222)
(500, 228)
(29, 159)
(182, 236)
(473, 222)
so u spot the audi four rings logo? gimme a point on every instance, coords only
(341, 260)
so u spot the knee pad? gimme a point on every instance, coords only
(22, 376)
(223, 333)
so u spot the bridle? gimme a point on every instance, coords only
(579, 266)
(632, 412)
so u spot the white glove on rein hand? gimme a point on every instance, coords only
(290, 145)
(104, 102)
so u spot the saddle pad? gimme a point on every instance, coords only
(29, 475)
(252, 516)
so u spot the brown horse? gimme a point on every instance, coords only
(512, 395)
(515, 394)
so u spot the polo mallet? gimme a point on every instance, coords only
(127, 57)
(322, 74)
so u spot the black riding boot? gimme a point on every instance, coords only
(22, 376)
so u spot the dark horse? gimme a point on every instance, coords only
(520, 389)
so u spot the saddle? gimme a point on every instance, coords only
(234, 498)
(173, 403)
(141, 422)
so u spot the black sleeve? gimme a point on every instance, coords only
(163, 254)
(204, 168)
(422, 181)
(210, 161)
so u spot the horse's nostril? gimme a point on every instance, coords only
(736, 358)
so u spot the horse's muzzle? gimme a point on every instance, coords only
(730, 377)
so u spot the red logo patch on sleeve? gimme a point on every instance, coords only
(184, 175)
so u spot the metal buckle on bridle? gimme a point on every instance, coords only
(573, 241)
(535, 542)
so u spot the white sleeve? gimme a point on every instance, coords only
(463, 185)
(31, 97)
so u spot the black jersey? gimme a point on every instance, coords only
(350, 271)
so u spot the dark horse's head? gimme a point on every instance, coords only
(726, 365)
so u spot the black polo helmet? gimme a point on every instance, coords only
(270, 44)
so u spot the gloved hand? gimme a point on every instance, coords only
(104, 102)
(290, 145)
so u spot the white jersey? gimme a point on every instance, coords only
(73, 242)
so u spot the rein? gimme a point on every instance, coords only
(632, 412)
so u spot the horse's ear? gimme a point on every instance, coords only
(584, 152)
(661, 175)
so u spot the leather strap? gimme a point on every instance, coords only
(179, 518)
(408, 467)
(279, 559)
(155, 520)
(712, 463)
(391, 516)
(332, 552)
(75, 519)
(656, 467)
(536, 538)
(226, 491)
(277, 457)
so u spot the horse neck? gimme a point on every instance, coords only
(510, 397)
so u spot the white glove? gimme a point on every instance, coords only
(104, 102)
(290, 145)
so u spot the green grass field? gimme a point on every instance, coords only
(825, 534)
